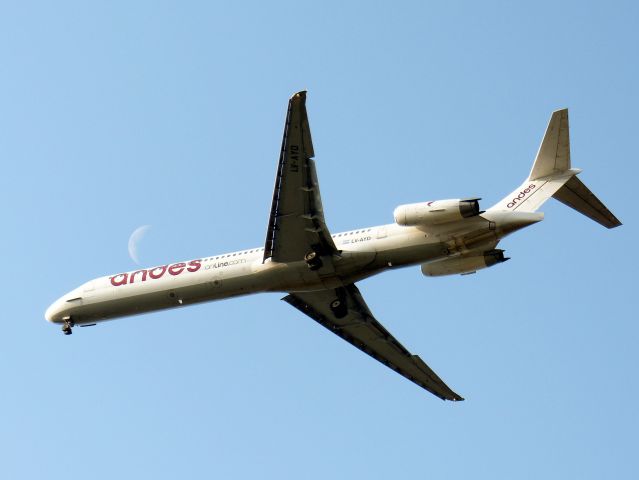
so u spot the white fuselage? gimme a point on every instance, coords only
(364, 252)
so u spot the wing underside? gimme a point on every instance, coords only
(296, 223)
(344, 312)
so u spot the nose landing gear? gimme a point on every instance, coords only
(68, 325)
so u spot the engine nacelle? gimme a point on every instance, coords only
(434, 213)
(461, 265)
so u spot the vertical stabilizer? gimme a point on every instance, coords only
(553, 157)
(550, 171)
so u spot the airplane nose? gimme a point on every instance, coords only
(53, 312)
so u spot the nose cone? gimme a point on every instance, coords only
(65, 306)
(54, 312)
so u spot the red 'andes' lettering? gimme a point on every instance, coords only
(155, 272)
(155, 276)
(194, 265)
(132, 277)
(176, 268)
(117, 283)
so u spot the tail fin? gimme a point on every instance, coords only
(552, 176)
(553, 157)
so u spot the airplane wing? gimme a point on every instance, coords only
(296, 224)
(344, 312)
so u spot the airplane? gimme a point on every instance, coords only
(318, 271)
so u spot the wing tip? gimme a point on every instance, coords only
(614, 223)
(451, 396)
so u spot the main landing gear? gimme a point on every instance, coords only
(313, 260)
(68, 325)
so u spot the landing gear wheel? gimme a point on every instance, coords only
(313, 260)
(67, 327)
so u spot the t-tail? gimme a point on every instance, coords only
(553, 176)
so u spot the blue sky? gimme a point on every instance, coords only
(120, 114)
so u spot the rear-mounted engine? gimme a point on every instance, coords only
(437, 212)
(462, 265)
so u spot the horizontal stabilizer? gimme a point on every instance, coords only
(576, 195)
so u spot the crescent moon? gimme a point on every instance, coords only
(134, 239)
